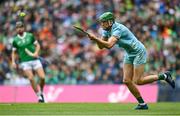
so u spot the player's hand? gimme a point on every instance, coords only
(92, 36)
(14, 65)
(36, 55)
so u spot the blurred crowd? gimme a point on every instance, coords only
(72, 57)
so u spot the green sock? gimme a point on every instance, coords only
(140, 100)
(161, 76)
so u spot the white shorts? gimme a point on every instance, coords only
(31, 65)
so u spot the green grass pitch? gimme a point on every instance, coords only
(88, 109)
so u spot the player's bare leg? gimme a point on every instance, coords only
(140, 80)
(128, 76)
(41, 75)
(127, 79)
(138, 76)
(30, 76)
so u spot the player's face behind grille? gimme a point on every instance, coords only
(106, 25)
(20, 29)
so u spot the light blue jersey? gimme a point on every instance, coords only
(135, 50)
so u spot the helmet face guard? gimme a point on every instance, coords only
(20, 27)
(19, 24)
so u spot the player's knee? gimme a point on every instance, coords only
(42, 78)
(30, 79)
(127, 81)
(137, 81)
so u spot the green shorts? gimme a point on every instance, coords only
(136, 59)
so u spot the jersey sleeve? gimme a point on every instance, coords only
(117, 32)
(34, 41)
(14, 46)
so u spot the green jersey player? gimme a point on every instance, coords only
(135, 57)
(27, 48)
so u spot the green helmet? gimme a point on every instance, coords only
(106, 16)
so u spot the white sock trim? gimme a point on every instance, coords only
(142, 104)
(38, 93)
(165, 76)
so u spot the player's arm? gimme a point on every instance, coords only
(37, 49)
(13, 57)
(101, 45)
(37, 45)
(106, 44)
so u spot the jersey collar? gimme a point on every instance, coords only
(21, 37)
